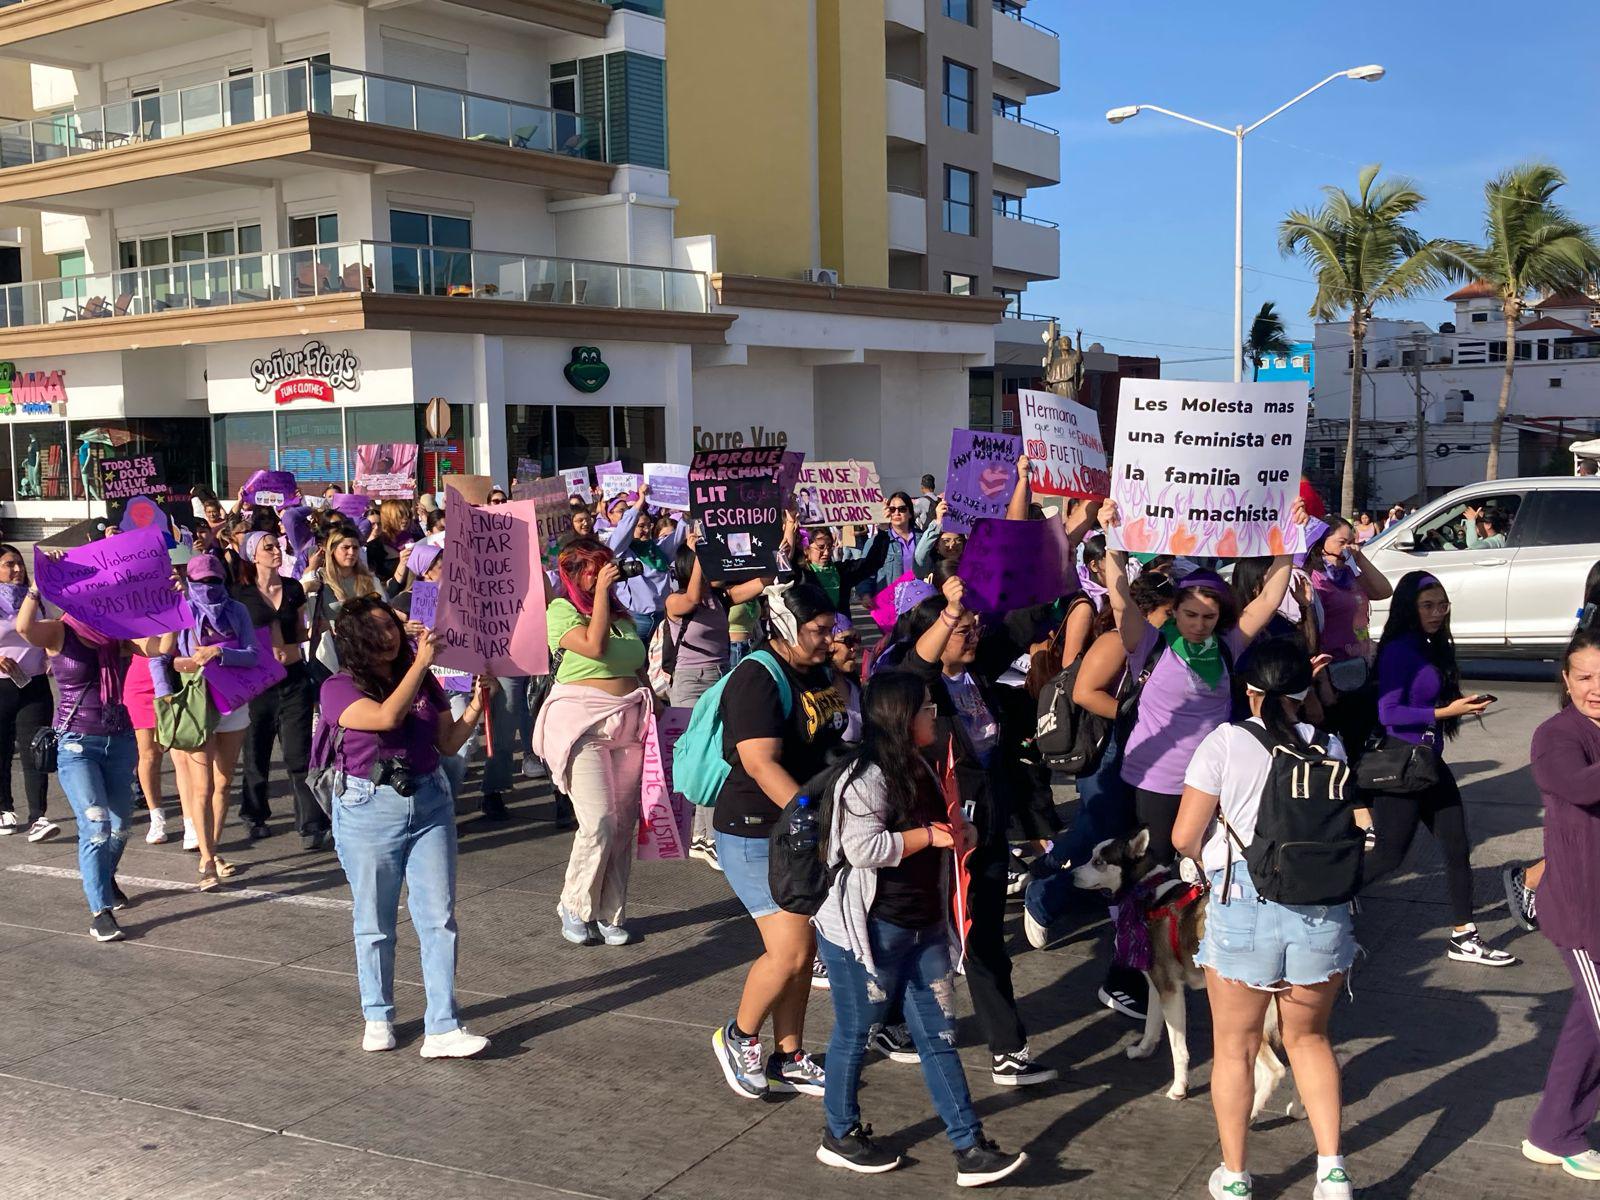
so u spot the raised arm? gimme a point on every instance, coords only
(930, 646)
(1373, 581)
(454, 732)
(1017, 509)
(590, 640)
(1095, 687)
(621, 533)
(37, 630)
(1274, 587)
(853, 570)
(681, 604)
(371, 716)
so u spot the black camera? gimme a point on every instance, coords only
(394, 773)
(630, 568)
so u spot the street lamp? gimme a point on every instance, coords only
(1370, 73)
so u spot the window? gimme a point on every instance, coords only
(1563, 518)
(1478, 318)
(311, 444)
(1007, 205)
(1007, 108)
(1300, 362)
(1555, 381)
(423, 262)
(959, 10)
(960, 285)
(1013, 299)
(72, 264)
(960, 187)
(958, 96)
(242, 445)
(319, 230)
(41, 452)
(1444, 530)
(564, 436)
(181, 442)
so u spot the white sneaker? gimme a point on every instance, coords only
(42, 830)
(458, 1043)
(1335, 1185)
(158, 827)
(1239, 1189)
(379, 1035)
(532, 768)
(9, 823)
(191, 839)
(1579, 1166)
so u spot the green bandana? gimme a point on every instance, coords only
(828, 577)
(649, 554)
(1203, 658)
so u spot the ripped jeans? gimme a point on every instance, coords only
(97, 776)
(913, 967)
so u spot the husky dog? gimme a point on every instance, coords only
(1116, 868)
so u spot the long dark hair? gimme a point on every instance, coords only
(889, 708)
(1250, 576)
(1439, 649)
(1587, 638)
(1586, 611)
(7, 548)
(359, 647)
(1094, 551)
(1314, 559)
(683, 566)
(1278, 668)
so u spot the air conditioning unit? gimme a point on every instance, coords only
(823, 275)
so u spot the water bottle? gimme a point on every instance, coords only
(803, 826)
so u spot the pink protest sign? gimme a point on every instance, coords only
(233, 688)
(1014, 564)
(491, 617)
(121, 586)
(664, 818)
(387, 470)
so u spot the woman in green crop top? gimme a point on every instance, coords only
(596, 636)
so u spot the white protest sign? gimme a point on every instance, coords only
(622, 484)
(838, 493)
(1062, 441)
(1209, 468)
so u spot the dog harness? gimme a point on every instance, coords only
(1156, 897)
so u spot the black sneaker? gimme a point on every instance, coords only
(894, 1041)
(819, 974)
(259, 830)
(104, 927)
(1017, 876)
(1018, 1070)
(856, 1151)
(1126, 992)
(494, 807)
(1470, 947)
(1521, 900)
(119, 898)
(985, 1163)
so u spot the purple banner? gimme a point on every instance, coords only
(272, 489)
(121, 586)
(233, 688)
(1015, 564)
(350, 504)
(981, 477)
(424, 602)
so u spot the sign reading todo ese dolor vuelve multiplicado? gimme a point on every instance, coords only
(313, 372)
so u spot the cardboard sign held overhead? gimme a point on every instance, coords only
(734, 498)
(838, 493)
(981, 477)
(474, 489)
(491, 609)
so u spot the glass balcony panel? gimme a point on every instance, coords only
(488, 121)
(347, 94)
(200, 108)
(441, 111)
(497, 276)
(595, 284)
(391, 102)
(532, 128)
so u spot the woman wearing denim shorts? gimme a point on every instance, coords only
(1255, 951)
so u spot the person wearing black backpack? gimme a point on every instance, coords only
(1257, 950)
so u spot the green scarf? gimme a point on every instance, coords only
(1203, 658)
(828, 577)
(649, 554)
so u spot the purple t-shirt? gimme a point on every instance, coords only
(415, 739)
(1176, 711)
(1344, 615)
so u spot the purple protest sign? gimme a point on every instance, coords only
(981, 477)
(271, 489)
(233, 688)
(1014, 564)
(350, 504)
(610, 468)
(120, 586)
(789, 472)
(424, 602)
(125, 478)
(669, 485)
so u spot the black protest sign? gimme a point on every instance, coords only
(735, 500)
(138, 475)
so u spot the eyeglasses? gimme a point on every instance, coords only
(1434, 606)
(930, 708)
(898, 508)
(849, 641)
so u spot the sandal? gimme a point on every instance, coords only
(225, 869)
(208, 877)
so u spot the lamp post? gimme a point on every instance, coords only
(1369, 74)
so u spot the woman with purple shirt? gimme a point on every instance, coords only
(221, 632)
(1189, 691)
(25, 703)
(1566, 767)
(384, 725)
(1420, 702)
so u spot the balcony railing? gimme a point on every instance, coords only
(1014, 216)
(1015, 14)
(1019, 119)
(296, 88)
(388, 268)
(909, 80)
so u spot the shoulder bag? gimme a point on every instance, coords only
(187, 718)
(44, 749)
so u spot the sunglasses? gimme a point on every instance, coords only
(898, 508)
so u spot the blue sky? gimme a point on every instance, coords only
(1146, 207)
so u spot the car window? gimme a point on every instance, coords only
(1446, 529)
(1563, 518)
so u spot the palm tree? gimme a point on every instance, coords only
(1533, 245)
(1364, 254)
(1267, 336)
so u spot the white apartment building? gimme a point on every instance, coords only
(1454, 372)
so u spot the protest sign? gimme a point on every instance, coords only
(669, 485)
(120, 586)
(79, 533)
(233, 688)
(387, 470)
(664, 816)
(577, 482)
(350, 504)
(550, 507)
(141, 512)
(1015, 564)
(789, 472)
(474, 489)
(981, 477)
(491, 618)
(424, 602)
(1209, 468)
(1062, 441)
(838, 493)
(528, 468)
(735, 500)
(619, 483)
(270, 489)
(608, 468)
(125, 478)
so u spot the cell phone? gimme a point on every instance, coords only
(1484, 697)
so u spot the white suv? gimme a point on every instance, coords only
(1518, 600)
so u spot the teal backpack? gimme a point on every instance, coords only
(699, 768)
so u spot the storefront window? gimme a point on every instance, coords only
(42, 461)
(243, 445)
(530, 434)
(371, 425)
(564, 436)
(640, 436)
(181, 442)
(8, 489)
(311, 444)
(460, 450)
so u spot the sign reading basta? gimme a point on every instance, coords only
(312, 372)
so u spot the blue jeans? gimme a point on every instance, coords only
(1104, 812)
(508, 717)
(646, 624)
(914, 972)
(455, 765)
(737, 651)
(97, 776)
(384, 839)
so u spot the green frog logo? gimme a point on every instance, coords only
(8, 374)
(587, 371)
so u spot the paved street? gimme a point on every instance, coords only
(214, 1053)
